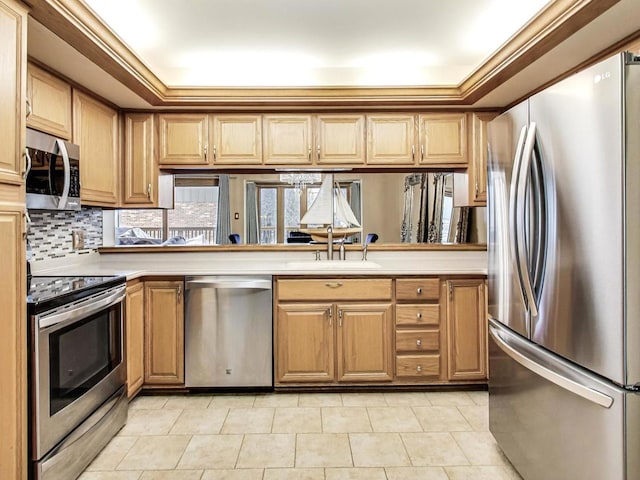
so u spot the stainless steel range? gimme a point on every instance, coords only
(77, 371)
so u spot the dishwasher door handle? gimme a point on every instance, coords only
(230, 284)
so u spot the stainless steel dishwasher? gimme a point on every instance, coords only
(228, 331)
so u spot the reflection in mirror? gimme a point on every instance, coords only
(398, 207)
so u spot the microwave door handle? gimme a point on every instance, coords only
(527, 154)
(62, 202)
(28, 166)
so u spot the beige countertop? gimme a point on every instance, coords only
(166, 263)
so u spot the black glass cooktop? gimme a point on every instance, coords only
(50, 292)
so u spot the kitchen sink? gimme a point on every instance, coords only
(333, 265)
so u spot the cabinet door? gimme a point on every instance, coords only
(13, 341)
(391, 139)
(443, 138)
(95, 130)
(164, 333)
(364, 342)
(135, 337)
(287, 139)
(50, 103)
(183, 139)
(140, 168)
(304, 343)
(478, 164)
(237, 140)
(340, 139)
(467, 325)
(13, 51)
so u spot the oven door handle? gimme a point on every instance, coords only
(83, 308)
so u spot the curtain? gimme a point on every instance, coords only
(355, 202)
(251, 209)
(223, 229)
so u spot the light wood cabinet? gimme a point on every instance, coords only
(327, 333)
(443, 138)
(391, 139)
(140, 166)
(164, 332)
(134, 330)
(183, 139)
(49, 103)
(419, 336)
(287, 140)
(237, 139)
(340, 139)
(305, 343)
(95, 130)
(364, 350)
(467, 329)
(13, 341)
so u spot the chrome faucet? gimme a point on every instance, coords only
(364, 250)
(329, 243)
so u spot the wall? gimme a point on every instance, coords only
(49, 234)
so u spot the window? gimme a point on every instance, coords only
(281, 206)
(193, 218)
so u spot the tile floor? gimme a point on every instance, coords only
(325, 436)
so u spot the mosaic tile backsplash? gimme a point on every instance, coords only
(50, 232)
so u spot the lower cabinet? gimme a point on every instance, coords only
(467, 329)
(134, 330)
(404, 331)
(164, 332)
(349, 341)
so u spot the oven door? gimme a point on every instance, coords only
(78, 364)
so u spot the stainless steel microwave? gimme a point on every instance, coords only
(53, 172)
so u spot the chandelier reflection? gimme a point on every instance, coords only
(299, 180)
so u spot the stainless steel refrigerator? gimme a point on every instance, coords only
(564, 277)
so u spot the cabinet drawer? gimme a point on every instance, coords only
(417, 289)
(332, 289)
(417, 314)
(418, 366)
(417, 340)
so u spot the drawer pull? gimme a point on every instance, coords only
(419, 368)
(418, 342)
(333, 284)
(419, 290)
(419, 316)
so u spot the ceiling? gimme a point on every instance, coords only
(312, 43)
(264, 55)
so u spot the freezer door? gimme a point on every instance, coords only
(552, 420)
(506, 136)
(579, 144)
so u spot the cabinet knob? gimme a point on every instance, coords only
(418, 342)
(149, 191)
(419, 316)
(419, 368)
(419, 290)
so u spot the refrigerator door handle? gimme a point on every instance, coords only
(513, 197)
(563, 382)
(523, 175)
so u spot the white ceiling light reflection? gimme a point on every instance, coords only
(130, 20)
(247, 68)
(499, 20)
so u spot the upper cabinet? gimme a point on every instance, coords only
(340, 139)
(48, 103)
(287, 140)
(95, 130)
(391, 139)
(237, 139)
(183, 139)
(140, 166)
(443, 138)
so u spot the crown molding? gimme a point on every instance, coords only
(76, 24)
